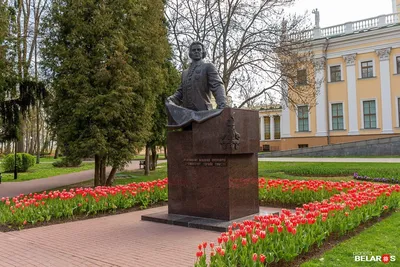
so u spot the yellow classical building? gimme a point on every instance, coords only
(359, 96)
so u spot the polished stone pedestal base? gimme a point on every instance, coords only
(200, 222)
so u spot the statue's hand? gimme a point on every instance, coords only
(221, 106)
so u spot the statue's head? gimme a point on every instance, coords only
(197, 51)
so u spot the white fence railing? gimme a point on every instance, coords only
(351, 27)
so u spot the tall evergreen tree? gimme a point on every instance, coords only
(104, 59)
(159, 136)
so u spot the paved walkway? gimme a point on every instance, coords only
(118, 240)
(37, 185)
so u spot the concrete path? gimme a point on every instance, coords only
(388, 160)
(37, 185)
(118, 240)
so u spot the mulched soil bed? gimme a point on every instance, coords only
(7, 228)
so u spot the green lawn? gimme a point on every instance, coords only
(49, 159)
(141, 157)
(381, 238)
(44, 170)
(127, 177)
(327, 169)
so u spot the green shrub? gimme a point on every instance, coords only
(68, 162)
(24, 162)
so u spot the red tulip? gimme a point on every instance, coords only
(262, 258)
(271, 229)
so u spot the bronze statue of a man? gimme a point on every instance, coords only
(198, 82)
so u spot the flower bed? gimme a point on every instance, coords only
(378, 180)
(34, 208)
(333, 208)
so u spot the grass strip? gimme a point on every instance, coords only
(377, 240)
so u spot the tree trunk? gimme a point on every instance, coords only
(27, 141)
(51, 146)
(154, 158)
(45, 139)
(21, 141)
(111, 176)
(147, 161)
(31, 136)
(96, 170)
(103, 170)
(37, 133)
(165, 152)
(8, 148)
(56, 153)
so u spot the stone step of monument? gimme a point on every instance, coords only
(200, 222)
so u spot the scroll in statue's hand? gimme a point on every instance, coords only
(173, 100)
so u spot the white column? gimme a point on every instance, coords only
(262, 128)
(386, 104)
(272, 127)
(352, 93)
(321, 109)
(280, 126)
(285, 119)
(394, 6)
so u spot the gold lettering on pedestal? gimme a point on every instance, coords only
(205, 162)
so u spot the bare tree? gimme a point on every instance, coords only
(24, 32)
(256, 47)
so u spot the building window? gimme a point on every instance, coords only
(398, 64)
(267, 132)
(277, 127)
(336, 74)
(302, 113)
(303, 145)
(337, 117)
(369, 110)
(301, 77)
(367, 69)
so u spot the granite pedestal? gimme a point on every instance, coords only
(213, 168)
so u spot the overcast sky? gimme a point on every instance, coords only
(333, 12)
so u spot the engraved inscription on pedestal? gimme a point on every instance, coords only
(208, 162)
